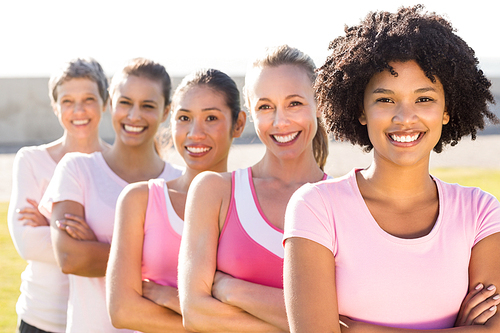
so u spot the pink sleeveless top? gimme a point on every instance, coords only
(249, 245)
(162, 237)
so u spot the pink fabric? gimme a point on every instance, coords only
(240, 256)
(88, 180)
(407, 283)
(161, 243)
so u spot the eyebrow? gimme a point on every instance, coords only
(212, 108)
(390, 92)
(146, 101)
(287, 97)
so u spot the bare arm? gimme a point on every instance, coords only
(127, 306)
(208, 195)
(309, 283)
(84, 258)
(263, 302)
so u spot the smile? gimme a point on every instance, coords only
(80, 122)
(285, 138)
(197, 150)
(133, 129)
(404, 138)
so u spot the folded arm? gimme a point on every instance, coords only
(132, 303)
(209, 195)
(78, 257)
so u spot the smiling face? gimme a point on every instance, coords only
(202, 128)
(281, 101)
(404, 114)
(79, 107)
(138, 109)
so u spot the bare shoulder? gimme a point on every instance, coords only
(134, 198)
(213, 183)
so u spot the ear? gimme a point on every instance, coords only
(446, 117)
(240, 124)
(165, 112)
(362, 118)
(55, 109)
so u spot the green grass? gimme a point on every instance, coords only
(11, 265)
(487, 179)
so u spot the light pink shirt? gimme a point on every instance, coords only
(88, 180)
(44, 288)
(382, 279)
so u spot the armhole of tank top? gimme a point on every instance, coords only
(176, 223)
(231, 204)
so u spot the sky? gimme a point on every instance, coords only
(37, 36)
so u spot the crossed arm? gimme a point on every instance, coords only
(86, 256)
(132, 303)
(208, 197)
(311, 301)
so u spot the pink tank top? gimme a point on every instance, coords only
(162, 237)
(249, 245)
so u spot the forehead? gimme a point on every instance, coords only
(77, 85)
(408, 75)
(200, 96)
(289, 79)
(139, 87)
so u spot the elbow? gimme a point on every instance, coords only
(67, 265)
(192, 320)
(119, 316)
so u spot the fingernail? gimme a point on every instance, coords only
(18, 210)
(493, 308)
(58, 223)
(479, 286)
(496, 297)
(490, 288)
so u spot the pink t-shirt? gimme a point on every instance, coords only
(88, 180)
(162, 236)
(382, 279)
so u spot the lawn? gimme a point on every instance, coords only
(12, 265)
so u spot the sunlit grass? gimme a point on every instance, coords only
(11, 266)
(486, 179)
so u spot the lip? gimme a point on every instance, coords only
(197, 150)
(80, 122)
(405, 139)
(285, 139)
(133, 129)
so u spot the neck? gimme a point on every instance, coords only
(297, 170)
(397, 181)
(88, 144)
(134, 163)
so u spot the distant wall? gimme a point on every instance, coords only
(26, 116)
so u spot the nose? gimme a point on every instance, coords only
(280, 118)
(134, 113)
(196, 131)
(78, 107)
(405, 114)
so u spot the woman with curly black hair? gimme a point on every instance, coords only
(390, 247)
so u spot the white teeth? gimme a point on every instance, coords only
(134, 129)
(285, 138)
(80, 122)
(405, 138)
(197, 150)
